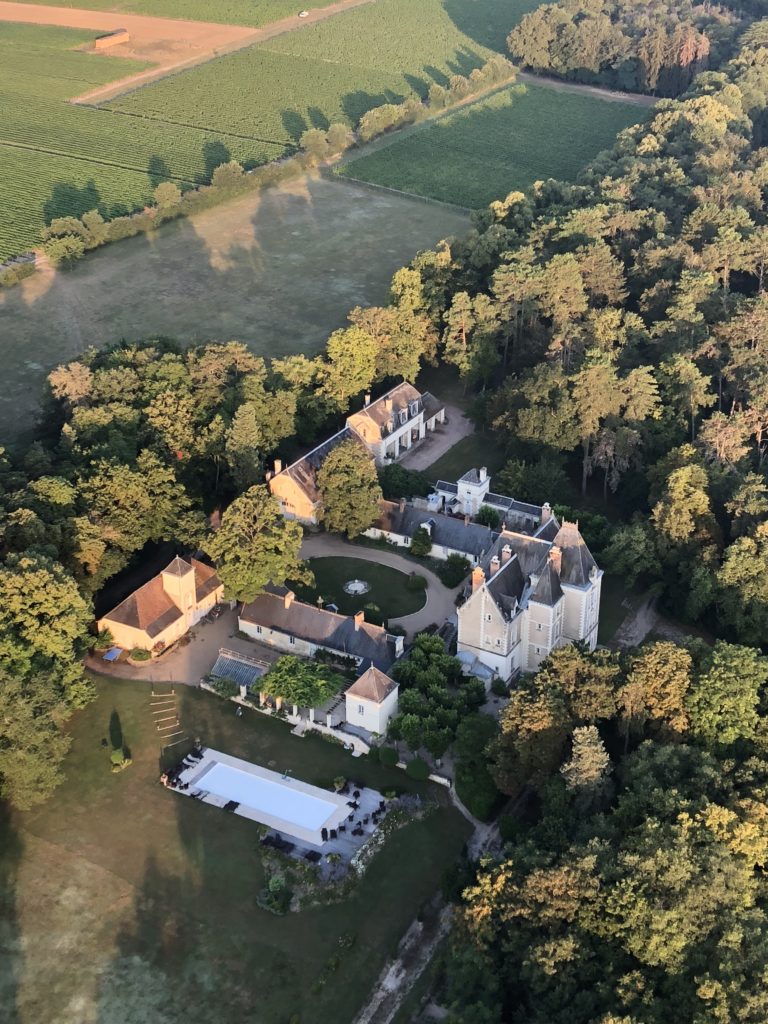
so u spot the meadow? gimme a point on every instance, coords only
(124, 902)
(494, 146)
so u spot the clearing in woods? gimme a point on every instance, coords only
(503, 143)
(277, 269)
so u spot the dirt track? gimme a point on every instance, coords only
(167, 43)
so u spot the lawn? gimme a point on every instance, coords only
(124, 903)
(389, 589)
(492, 147)
(470, 452)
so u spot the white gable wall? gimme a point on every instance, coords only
(369, 714)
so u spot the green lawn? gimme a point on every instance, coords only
(470, 452)
(388, 587)
(497, 145)
(125, 903)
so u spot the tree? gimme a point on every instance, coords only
(314, 142)
(32, 745)
(421, 543)
(227, 175)
(724, 696)
(589, 765)
(657, 681)
(255, 546)
(351, 366)
(349, 489)
(167, 196)
(743, 586)
(241, 447)
(303, 683)
(487, 516)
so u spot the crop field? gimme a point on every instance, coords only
(228, 12)
(492, 147)
(58, 159)
(250, 106)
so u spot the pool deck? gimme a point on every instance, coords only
(195, 777)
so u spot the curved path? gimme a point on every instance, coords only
(440, 603)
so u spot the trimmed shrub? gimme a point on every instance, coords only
(416, 582)
(453, 570)
(139, 654)
(421, 543)
(388, 756)
(417, 769)
(488, 516)
(499, 688)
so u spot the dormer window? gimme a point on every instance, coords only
(390, 426)
(403, 416)
(414, 408)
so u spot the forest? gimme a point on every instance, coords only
(657, 47)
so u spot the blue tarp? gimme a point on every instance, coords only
(112, 654)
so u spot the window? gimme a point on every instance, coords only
(414, 408)
(538, 650)
(403, 416)
(538, 625)
(291, 639)
(498, 643)
(488, 618)
(360, 709)
(258, 629)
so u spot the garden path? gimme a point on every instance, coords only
(441, 602)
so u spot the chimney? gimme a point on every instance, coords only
(478, 578)
(359, 619)
(388, 404)
(506, 554)
(367, 398)
(467, 520)
(546, 512)
(495, 564)
(483, 474)
(402, 504)
(556, 558)
(288, 598)
(278, 466)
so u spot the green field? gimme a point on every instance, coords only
(225, 12)
(492, 147)
(58, 159)
(123, 903)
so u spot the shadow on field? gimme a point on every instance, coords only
(68, 200)
(11, 948)
(488, 22)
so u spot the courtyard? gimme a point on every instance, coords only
(131, 906)
(352, 584)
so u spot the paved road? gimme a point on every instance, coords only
(440, 600)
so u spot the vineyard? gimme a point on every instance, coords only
(492, 147)
(227, 12)
(251, 105)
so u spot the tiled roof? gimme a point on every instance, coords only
(151, 609)
(372, 685)
(401, 397)
(319, 626)
(471, 538)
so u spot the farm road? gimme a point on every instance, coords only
(170, 44)
(633, 98)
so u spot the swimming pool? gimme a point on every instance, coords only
(279, 799)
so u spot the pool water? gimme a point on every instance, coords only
(277, 799)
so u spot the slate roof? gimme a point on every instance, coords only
(319, 626)
(443, 485)
(577, 560)
(151, 609)
(472, 476)
(372, 685)
(549, 530)
(547, 590)
(472, 538)
(431, 405)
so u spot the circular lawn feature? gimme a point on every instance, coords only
(388, 588)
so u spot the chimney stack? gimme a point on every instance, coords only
(467, 519)
(546, 512)
(556, 558)
(278, 466)
(388, 404)
(402, 504)
(359, 620)
(506, 554)
(483, 474)
(495, 565)
(288, 598)
(367, 398)
(478, 578)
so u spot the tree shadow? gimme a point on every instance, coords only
(294, 124)
(483, 22)
(11, 961)
(419, 85)
(115, 731)
(464, 61)
(435, 74)
(215, 153)
(69, 200)
(318, 119)
(158, 170)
